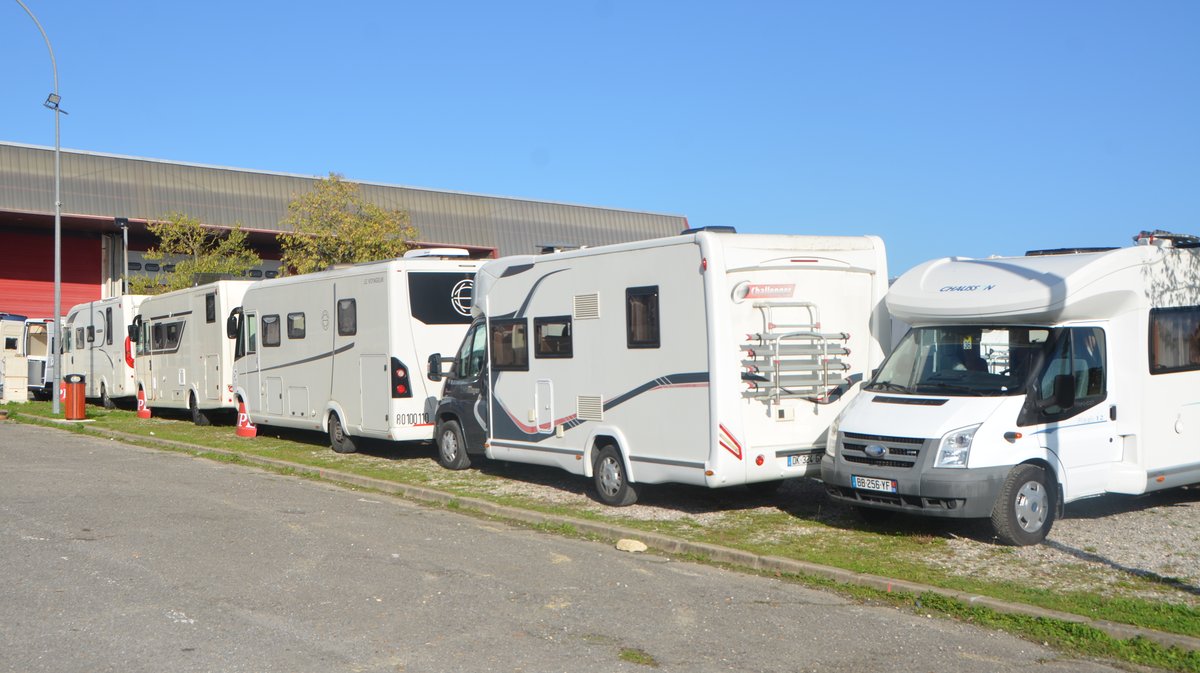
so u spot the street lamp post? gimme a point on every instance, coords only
(52, 101)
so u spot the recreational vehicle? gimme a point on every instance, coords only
(333, 351)
(182, 359)
(714, 359)
(97, 345)
(1030, 382)
(36, 344)
(13, 369)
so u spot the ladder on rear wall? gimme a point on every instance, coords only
(793, 360)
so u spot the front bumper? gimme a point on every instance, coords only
(921, 489)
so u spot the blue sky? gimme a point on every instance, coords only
(947, 128)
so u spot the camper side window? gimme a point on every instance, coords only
(552, 337)
(641, 317)
(295, 326)
(210, 308)
(79, 337)
(347, 317)
(1174, 339)
(270, 331)
(108, 326)
(510, 348)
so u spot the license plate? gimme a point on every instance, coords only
(804, 459)
(873, 484)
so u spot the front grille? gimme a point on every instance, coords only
(883, 438)
(877, 462)
(899, 452)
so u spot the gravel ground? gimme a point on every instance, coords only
(1102, 541)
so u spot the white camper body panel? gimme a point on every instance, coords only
(96, 344)
(699, 404)
(1140, 433)
(182, 352)
(308, 362)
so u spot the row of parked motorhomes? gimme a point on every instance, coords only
(711, 358)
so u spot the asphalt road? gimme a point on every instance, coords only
(118, 558)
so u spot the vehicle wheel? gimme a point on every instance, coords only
(1024, 509)
(198, 417)
(612, 484)
(339, 441)
(452, 448)
(105, 400)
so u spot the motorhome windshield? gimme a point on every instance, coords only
(970, 360)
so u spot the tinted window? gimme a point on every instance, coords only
(108, 337)
(441, 298)
(552, 337)
(210, 308)
(270, 331)
(510, 348)
(1174, 339)
(641, 317)
(347, 317)
(251, 324)
(295, 326)
(472, 354)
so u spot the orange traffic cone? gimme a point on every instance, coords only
(143, 410)
(244, 427)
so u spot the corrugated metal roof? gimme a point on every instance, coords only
(104, 185)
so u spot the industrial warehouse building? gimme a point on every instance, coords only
(99, 188)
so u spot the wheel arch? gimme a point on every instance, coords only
(607, 436)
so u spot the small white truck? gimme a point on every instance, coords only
(715, 359)
(1030, 382)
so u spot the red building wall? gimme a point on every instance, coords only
(27, 271)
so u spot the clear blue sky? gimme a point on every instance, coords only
(947, 128)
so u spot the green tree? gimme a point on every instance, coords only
(334, 225)
(204, 251)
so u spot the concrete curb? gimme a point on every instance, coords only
(670, 544)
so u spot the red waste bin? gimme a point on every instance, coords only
(75, 398)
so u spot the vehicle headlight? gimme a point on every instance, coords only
(955, 448)
(831, 438)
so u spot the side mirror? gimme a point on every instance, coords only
(135, 329)
(1063, 396)
(434, 367)
(233, 324)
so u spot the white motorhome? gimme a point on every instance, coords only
(1030, 382)
(36, 344)
(96, 344)
(714, 359)
(183, 358)
(333, 351)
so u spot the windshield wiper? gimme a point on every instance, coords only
(887, 385)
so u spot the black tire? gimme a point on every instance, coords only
(105, 400)
(452, 447)
(1024, 509)
(612, 483)
(198, 417)
(339, 440)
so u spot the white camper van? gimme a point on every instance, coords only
(96, 344)
(37, 354)
(183, 359)
(333, 350)
(714, 359)
(1029, 382)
